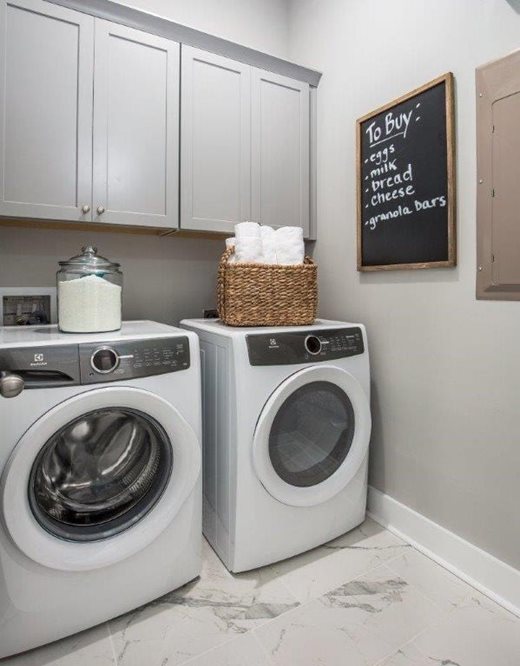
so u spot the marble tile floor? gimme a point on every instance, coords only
(365, 599)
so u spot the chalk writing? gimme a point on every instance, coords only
(403, 176)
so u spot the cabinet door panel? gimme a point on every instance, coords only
(46, 72)
(280, 150)
(136, 127)
(215, 142)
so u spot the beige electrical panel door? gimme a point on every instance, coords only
(498, 197)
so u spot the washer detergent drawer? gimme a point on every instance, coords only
(98, 477)
(312, 436)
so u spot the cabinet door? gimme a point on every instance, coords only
(280, 150)
(46, 66)
(136, 128)
(215, 142)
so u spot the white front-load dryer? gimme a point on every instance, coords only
(100, 475)
(287, 423)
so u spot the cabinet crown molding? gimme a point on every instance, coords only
(163, 27)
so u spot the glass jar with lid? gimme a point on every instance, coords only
(89, 293)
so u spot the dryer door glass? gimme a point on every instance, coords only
(100, 474)
(311, 434)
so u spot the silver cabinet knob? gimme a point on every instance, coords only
(85, 209)
(10, 385)
(100, 210)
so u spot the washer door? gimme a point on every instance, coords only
(98, 477)
(312, 436)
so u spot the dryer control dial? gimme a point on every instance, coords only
(104, 360)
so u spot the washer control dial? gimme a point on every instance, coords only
(313, 344)
(104, 360)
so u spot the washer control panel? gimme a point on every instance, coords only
(304, 346)
(109, 362)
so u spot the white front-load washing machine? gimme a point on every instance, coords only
(100, 483)
(286, 414)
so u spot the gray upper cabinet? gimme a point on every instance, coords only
(280, 150)
(215, 141)
(46, 69)
(93, 115)
(136, 128)
(245, 140)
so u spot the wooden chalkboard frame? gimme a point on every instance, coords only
(450, 166)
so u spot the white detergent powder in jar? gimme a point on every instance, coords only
(90, 291)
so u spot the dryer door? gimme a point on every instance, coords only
(312, 436)
(98, 477)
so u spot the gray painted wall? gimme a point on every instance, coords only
(446, 368)
(169, 278)
(165, 279)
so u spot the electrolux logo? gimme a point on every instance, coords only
(273, 343)
(38, 360)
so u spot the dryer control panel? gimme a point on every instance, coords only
(306, 346)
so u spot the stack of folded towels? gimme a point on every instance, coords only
(261, 244)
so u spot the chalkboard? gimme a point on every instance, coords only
(406, 181)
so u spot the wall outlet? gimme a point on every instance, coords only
(210, 314)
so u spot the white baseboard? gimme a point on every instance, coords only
(496, 579)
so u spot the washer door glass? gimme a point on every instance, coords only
(100, 473)
(311, 434)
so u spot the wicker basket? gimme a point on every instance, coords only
(267, 295)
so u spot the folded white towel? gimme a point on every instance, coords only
(289, 233)
(290, 248)
(262, 244)
(248, 242)
(289, 256)
(247, 230)
(249, 249)
(230, 242)
(268, 245)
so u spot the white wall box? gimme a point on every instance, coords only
(215, 141)
(46, 73)
(280, 150)
(498, 173)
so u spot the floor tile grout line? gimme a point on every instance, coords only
(288, 590)
(424, 596)
(211, 649)
(112, 644)
(444, 612)
(235, 638)
(408, 642)
(264, 649)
